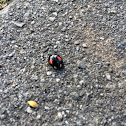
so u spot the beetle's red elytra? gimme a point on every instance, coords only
(50, 61)
(59, 58)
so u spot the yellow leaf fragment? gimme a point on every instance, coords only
(32, 104)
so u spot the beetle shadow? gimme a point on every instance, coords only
(57, 71)
(60, 71)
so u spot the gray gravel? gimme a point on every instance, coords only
(90, 36)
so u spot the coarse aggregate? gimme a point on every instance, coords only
(90, 36)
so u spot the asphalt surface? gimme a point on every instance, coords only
(90, 36)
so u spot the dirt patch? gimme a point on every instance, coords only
(99, 46)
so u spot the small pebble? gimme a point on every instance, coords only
(75, 96)
(11, 54)
(55, 0)
(66, 122)
(70, 17)
(60, 23)
(38, 117)
(34, 77)
(84, 45)
(81, 65)
(22, 51)
(52, 19)
(124, 73)
(102, 94)
(57, 80)
(81, 82)
(75, 75)
(55, 46)
(79, 87)
(81, 93)
(29, 110)
(49, 73)
(113, 11)
(18, 24)
(108, 76)
(3, 117)
(47, 108)
(58, 42)
(33, 22)
(101, 38)
(76, 42)
(26, 15)
(54, 13)
(122, 45)
(88, 96)
(123, 66)
(59, 116)
(77, 48)
(63, 29)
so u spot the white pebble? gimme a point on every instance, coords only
(101, 38)
(60, 23)
(22, 51)
(29, 110)
(59, 116)
(26, 15)
(38, 117)
(52, 19)
(49, 73)
(76, 42)
(55, 46)
(108, 76)
(81, 82)
(47, 108)
(55, 0)
(18, 24)
(57, 80)
(58, 42)
(84, 45)
(75, 75)
(33, 22)
(54, 13)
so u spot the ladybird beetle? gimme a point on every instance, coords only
(55, 61)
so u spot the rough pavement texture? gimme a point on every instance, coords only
(90, 36)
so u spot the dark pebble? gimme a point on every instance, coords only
(124, 73)
(122, 45)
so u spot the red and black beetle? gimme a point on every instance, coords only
(55, 61)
